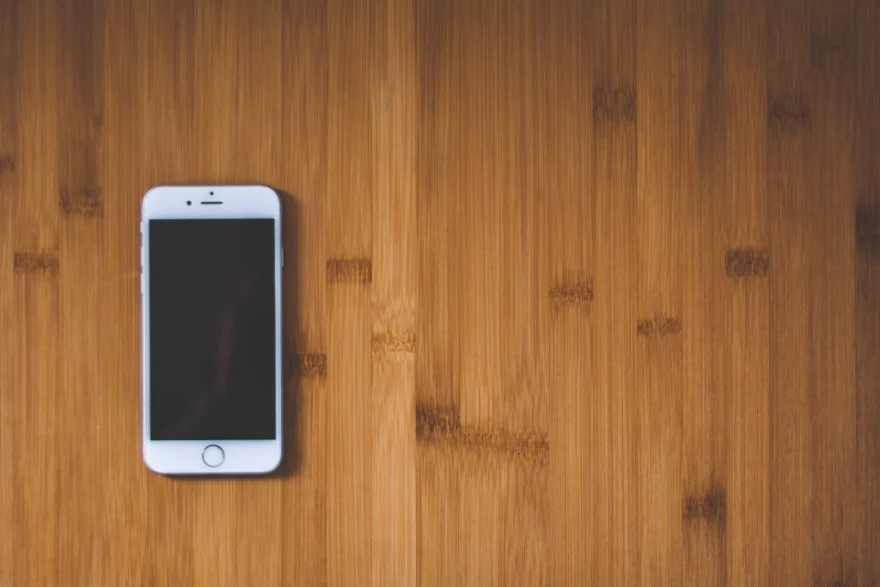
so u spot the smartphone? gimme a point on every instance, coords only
(211, 261)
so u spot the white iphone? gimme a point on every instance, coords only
(211, 263)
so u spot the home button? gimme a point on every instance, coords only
(213, 455)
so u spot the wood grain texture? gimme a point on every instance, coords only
(866, 92)
(576, 293)
(8, 323)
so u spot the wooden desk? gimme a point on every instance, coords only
(578, 292)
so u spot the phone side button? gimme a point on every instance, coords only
(213, 455)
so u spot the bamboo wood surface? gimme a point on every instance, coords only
(578, 292)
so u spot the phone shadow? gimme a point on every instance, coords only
(291, 219)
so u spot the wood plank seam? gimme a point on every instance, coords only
(35, 263)
(86, 203)
(867, 225)
(747, 262)
(7, 163)
(573, 294)
(710, 506)
(614, 104)
(828, 54)
(394, 343)
(309, 365)
(658, 325)
(442, 425)
(349, 271)
(789, 113)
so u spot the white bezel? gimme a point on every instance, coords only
(184, 457)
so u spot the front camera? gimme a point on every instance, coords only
(188, 203)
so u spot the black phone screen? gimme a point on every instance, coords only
(212, 329)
